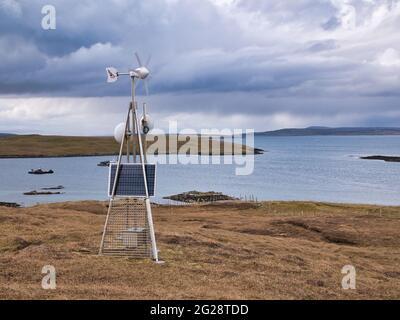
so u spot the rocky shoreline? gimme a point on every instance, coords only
(10, 205)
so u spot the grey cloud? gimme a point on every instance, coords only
(272, 56)
(324, 45)
(331, 24)
(83, 26)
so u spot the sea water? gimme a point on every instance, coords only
(317, 168)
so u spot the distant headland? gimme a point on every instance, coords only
(40, 146)
(327, 131)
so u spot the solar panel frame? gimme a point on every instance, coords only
(139, 177)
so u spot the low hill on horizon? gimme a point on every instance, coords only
(308, 131)
(328, 131)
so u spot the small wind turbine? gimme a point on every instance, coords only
(140, 73)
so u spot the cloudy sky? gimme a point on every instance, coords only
(259, 64)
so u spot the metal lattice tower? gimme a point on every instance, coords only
(129, 230)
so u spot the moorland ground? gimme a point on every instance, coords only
(269, 250)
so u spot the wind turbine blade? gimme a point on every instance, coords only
(136, 85)
(148, 61)
(138, 59)
(146, 87)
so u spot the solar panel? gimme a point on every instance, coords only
(130, 180)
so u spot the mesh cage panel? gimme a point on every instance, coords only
(127, 230)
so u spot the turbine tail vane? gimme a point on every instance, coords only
(112, 74)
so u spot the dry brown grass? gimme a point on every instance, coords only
(275, 250)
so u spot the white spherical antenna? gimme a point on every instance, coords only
(119, 132)
(147, 124)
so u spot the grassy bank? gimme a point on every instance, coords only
(33, 146)
(272, 250)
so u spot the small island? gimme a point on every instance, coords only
(41, 193)
(382, 158)
(40, 171)
(200, 197)
(53, 188)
